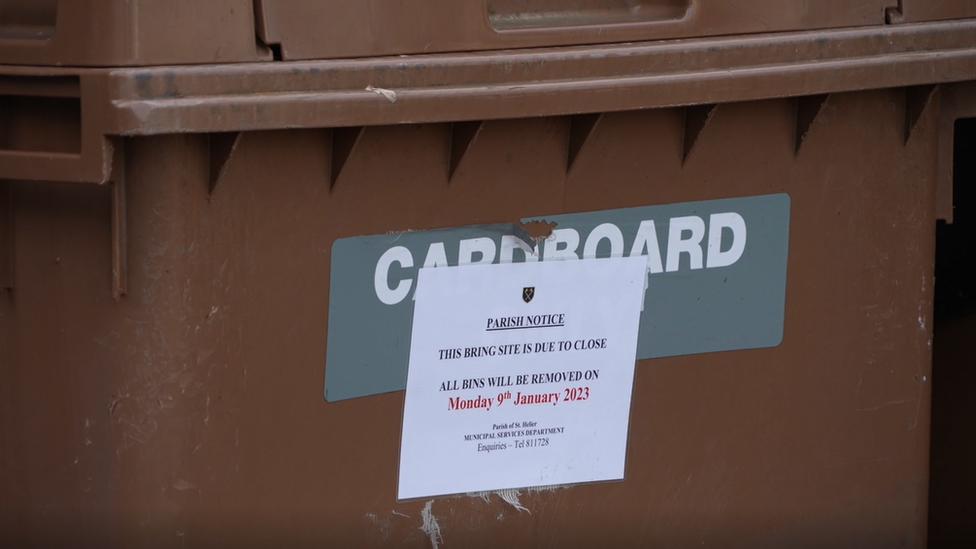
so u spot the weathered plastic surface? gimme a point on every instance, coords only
(163, 336)
(189, 413)
(124, 32)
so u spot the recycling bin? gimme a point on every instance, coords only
(207, 263)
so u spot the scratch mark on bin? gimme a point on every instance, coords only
(754, 15)
(886, 404)
(181, 485)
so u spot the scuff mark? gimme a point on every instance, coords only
(113, 405)
(758, 17)
(430, 526)
(886, 404)
(923, 308)
(206, 417)
(390, 95)
(181, 485)
(204, 355)
(381, 526)
(141, 109)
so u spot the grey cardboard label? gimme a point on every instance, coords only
(716, 280)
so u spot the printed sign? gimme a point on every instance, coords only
(716, 280)
(522, 373)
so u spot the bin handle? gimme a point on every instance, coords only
(71, 18)
(542, 15)
(92, 163)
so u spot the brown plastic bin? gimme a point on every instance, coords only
(166, 238)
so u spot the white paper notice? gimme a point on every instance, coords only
(520, 375)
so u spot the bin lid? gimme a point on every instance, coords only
(107, 33)
(323, 29)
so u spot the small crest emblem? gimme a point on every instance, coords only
(528, 293)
